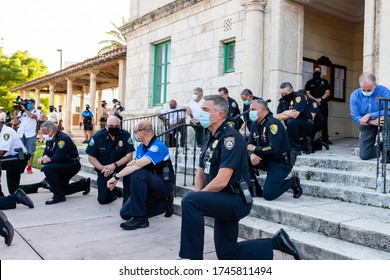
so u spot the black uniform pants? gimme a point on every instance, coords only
(58, 176)
(106, 196)
(227, 209)
(148, 195)
(296, 129)
(275, 183)
(324, 111)
(14, 168)
(7, 202)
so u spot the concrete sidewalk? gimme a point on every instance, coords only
(81, 229)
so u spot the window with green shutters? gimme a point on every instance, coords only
(229, 55)
(162, 61)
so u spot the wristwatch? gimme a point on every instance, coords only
(115, 177)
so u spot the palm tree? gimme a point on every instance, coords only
(118, 41)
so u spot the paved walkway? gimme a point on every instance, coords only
(81, 229)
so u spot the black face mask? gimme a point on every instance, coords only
(114, 131)
(103, 105)
(316, 76)
(288, 97)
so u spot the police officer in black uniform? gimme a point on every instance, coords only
(109, 150)
(233, 116)
(151, 180)
(319, 89)
(293, 110)
(61, 162)
(269, 150)
(221, 191)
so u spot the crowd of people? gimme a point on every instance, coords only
(226, 178)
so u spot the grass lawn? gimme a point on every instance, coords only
(38, 153)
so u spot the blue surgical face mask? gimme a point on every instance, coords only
(247, 102)
(29, 107)
(204, 119)
(367, 93)
(253, 116)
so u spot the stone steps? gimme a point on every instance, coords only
(340, 216)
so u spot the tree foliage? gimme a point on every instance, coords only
(17, 69)
(118, 39)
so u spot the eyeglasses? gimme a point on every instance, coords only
(136, 131)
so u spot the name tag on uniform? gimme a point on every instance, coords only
(207, 167)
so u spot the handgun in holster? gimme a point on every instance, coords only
(20, 155)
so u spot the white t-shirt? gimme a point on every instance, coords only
(9, 141)
(195, 107)
(53, 117)
(28, 126)
(174, 117)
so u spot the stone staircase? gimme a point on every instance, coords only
(340, 215)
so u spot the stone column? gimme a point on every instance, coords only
(382, 59)
(254, 46)
(122, 81)
(68, 109)
(51, 93)
(369, 36)
(92, 89)
(37, 97)
(97, 111)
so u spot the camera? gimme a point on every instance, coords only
(19, 101)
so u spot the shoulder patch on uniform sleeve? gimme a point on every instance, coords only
(6, 136)
(154, 148)
(234, 104)
(130, 141)
(91, 142)
(229, 142)
(273, 128)
(298, 99)
(61, 144)
(315, 105)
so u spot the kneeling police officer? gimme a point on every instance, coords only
(61, 162)
(269, 150)
(151, 180)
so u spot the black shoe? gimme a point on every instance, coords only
(297, 152)
(169, 206)
(135, 222)
(88, 186)
(285, 244)
(297, 189)
(259, 191)
(45, 185)
(22, 198)
(307, 145)
(55, 200)
(6, 229)
(325, 144)
(118, 192)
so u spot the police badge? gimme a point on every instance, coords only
(229, 142)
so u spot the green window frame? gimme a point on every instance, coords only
(162, 61)
(229, 56)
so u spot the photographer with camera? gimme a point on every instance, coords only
(26, 116)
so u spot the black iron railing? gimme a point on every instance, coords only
(171, 129)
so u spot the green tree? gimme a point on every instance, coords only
(118, 40)
(17, 69)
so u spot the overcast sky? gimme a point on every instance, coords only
(43, 26)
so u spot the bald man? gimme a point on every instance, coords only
(151, 180)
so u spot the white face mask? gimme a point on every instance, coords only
(194, 97)
(367, 93)
(47, 137)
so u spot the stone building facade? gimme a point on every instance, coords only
(174, 46)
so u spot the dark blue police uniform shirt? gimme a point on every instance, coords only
(62, 149)
(297, 102)
(317, 88)
(106, 150)
(271, 136)
(225, 149)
